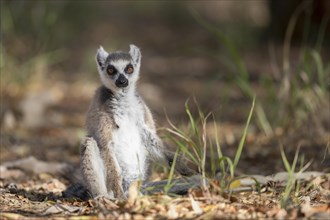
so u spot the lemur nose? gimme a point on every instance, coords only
(121, 81)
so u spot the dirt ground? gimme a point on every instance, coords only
(51, 132)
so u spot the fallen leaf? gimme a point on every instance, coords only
(172, 213)
(10, 173)
(317, 181)
(83, 217)
(281, 214)
(110, 205)
(103, 202)
(309, 210)
(195, 206)
(235, 184)
(138, 217)
(11, 216)
(54, 185)
(60, 208)
(53, 210)
(45, 176)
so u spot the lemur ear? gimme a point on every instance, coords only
(135, 53)
(101, 57)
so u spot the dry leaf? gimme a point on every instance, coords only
(309, 210)
(235, 184)
(317, 181)
(60, 208)
(54, 185)
(195, 206)
(11, 216)
(110, 205)
(53, 210)
(10, 173)
(172, 213)
(281, 214)
(83, 217)
(138, 217)
(45, 176)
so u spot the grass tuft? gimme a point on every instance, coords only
(196, 144)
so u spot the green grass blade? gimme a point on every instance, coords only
(185, 150)
(293, 167)
(302, 159)
(191, 118)
(322, 31)
(320, 70)
(242, 141)
(219, 151)
(290, 169)
(289, 33)
(285, 161)
(213, 164)
(263, 121)
(230, 164)
(170, 177)
(179, 134)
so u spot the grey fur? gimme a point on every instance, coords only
(118, 55)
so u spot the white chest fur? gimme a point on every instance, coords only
(127, 142)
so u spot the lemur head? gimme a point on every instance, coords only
(119, 70)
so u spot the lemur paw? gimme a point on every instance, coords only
(86, 142)
(103, 197)
(105, 202)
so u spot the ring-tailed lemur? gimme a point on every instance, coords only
(121, 137)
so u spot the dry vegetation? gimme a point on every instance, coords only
(267, 161)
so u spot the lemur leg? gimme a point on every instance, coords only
(113, 177)
(92, 168)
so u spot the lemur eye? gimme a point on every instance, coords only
(129, 69)
(111, 70)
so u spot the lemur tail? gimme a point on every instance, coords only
(180, 186)
(77, 191)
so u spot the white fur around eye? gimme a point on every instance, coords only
(120, 65)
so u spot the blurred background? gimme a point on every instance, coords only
(219, 53)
